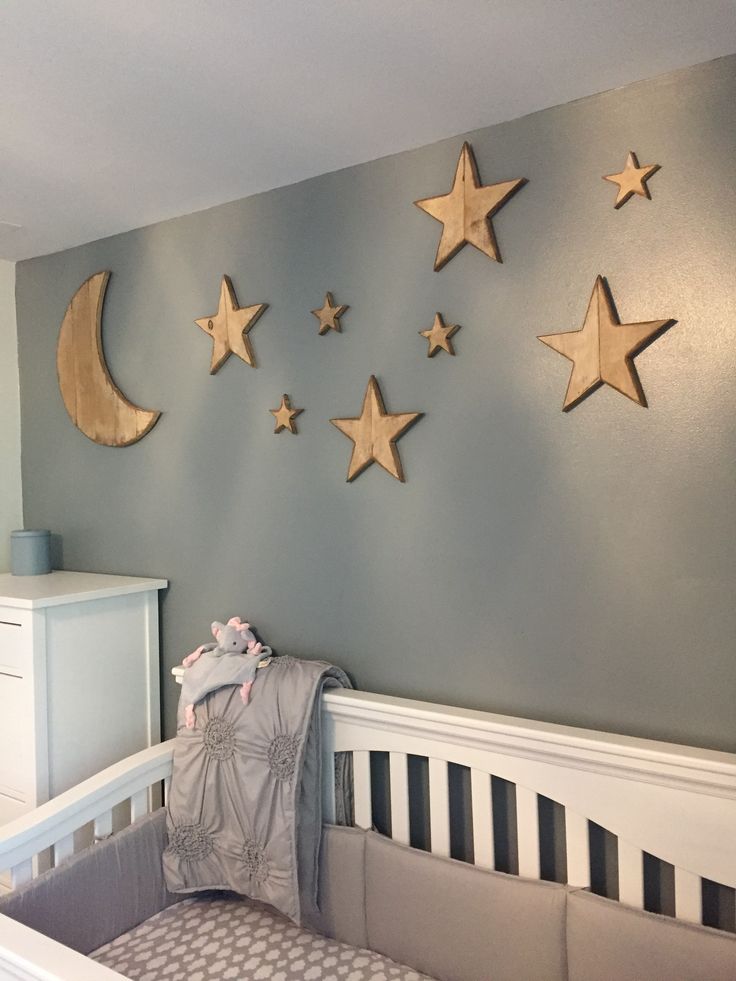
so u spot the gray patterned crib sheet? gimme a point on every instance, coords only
(215, 937)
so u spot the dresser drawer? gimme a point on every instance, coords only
(15, 643)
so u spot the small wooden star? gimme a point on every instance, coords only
(229, 327)
(285, 416)
(602, 351)
(466, 211)
(632, 180)
(329, 315)
(374, 434)
(439, 336)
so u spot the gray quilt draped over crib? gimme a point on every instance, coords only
(245, 802)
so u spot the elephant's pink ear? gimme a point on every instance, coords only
(216, 627)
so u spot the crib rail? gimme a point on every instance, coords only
(672, 802)
(53, 825)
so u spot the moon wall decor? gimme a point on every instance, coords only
(95, 404)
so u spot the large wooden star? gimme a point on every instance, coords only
(229, 328)
(329, 315)
(467, 210)
(439, 336)
(603, 349)
(285, 416)
(632, 180)
(374, 434)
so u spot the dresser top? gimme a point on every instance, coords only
(58, 588)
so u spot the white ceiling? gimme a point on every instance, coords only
(119, 113)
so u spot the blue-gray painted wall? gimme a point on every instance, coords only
(573, 567)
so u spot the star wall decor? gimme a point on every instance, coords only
(466, 211)
(374, 434)
(329, 315)
(632, 180)
(285, 416)
(439, 336)
(229, 328)
(602, 351)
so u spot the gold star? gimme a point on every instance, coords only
(467, 210)
(374, 434)
(439, 336)
(329, 315)
(229, 327)
(632, 180)
(285, 416)
(603, 349)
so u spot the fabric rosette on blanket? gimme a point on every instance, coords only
(245, 803)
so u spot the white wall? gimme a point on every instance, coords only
(11, 506)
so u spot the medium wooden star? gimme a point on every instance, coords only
(375, 433)
(602, 351)
(467, 210)
(285, 416)
(632, 180)
(229, 327)
(439, 336)
(329, 315)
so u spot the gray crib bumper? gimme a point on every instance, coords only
(120, 879)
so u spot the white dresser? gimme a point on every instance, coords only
(79, 679)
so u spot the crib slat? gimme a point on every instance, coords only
(63, 849)
(362, 788)
(577, 847)
(399, 788)
(138, 805)
(630, 874)
(527, 824)
(21, 873)
(482, 801)
(103, 826)
(167, 788)
(439, 807)
(688, 896)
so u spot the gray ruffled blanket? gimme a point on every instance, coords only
(245, 803)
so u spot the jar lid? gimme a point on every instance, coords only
(30, 533)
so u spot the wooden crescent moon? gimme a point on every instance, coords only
(95, 404)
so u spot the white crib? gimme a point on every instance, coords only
(483, 778)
